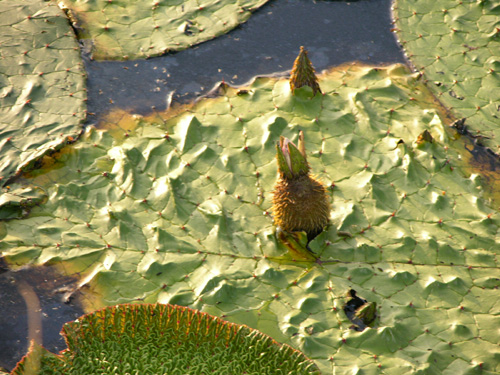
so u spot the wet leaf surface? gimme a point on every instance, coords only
(15, 204)
(131, 29)
(42, 84)
(175, 208)
(456, 45)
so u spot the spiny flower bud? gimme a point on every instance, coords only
(303, 73)
(300, 202)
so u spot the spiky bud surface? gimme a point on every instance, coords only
(303, 73)
(300, 202)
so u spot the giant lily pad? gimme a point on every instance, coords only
(176, 209)
(456, 45)
(42, 83)
(121, 29)
(163, 339)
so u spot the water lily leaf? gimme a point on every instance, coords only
(42, 84)
(163, 339)
(15, 204)
(149, 215)
(456, 45)
(122, 29)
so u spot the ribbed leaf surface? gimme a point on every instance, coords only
(163, 339)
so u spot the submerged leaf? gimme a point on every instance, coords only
(359, 311)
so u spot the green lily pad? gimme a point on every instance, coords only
(456, 45)
(163, 339)
(175, 208)
(16, 204)
(42, 84)
(131, 29)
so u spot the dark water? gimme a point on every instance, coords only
(46, 303)
(334, 32)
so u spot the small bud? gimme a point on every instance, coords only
(303, 73)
